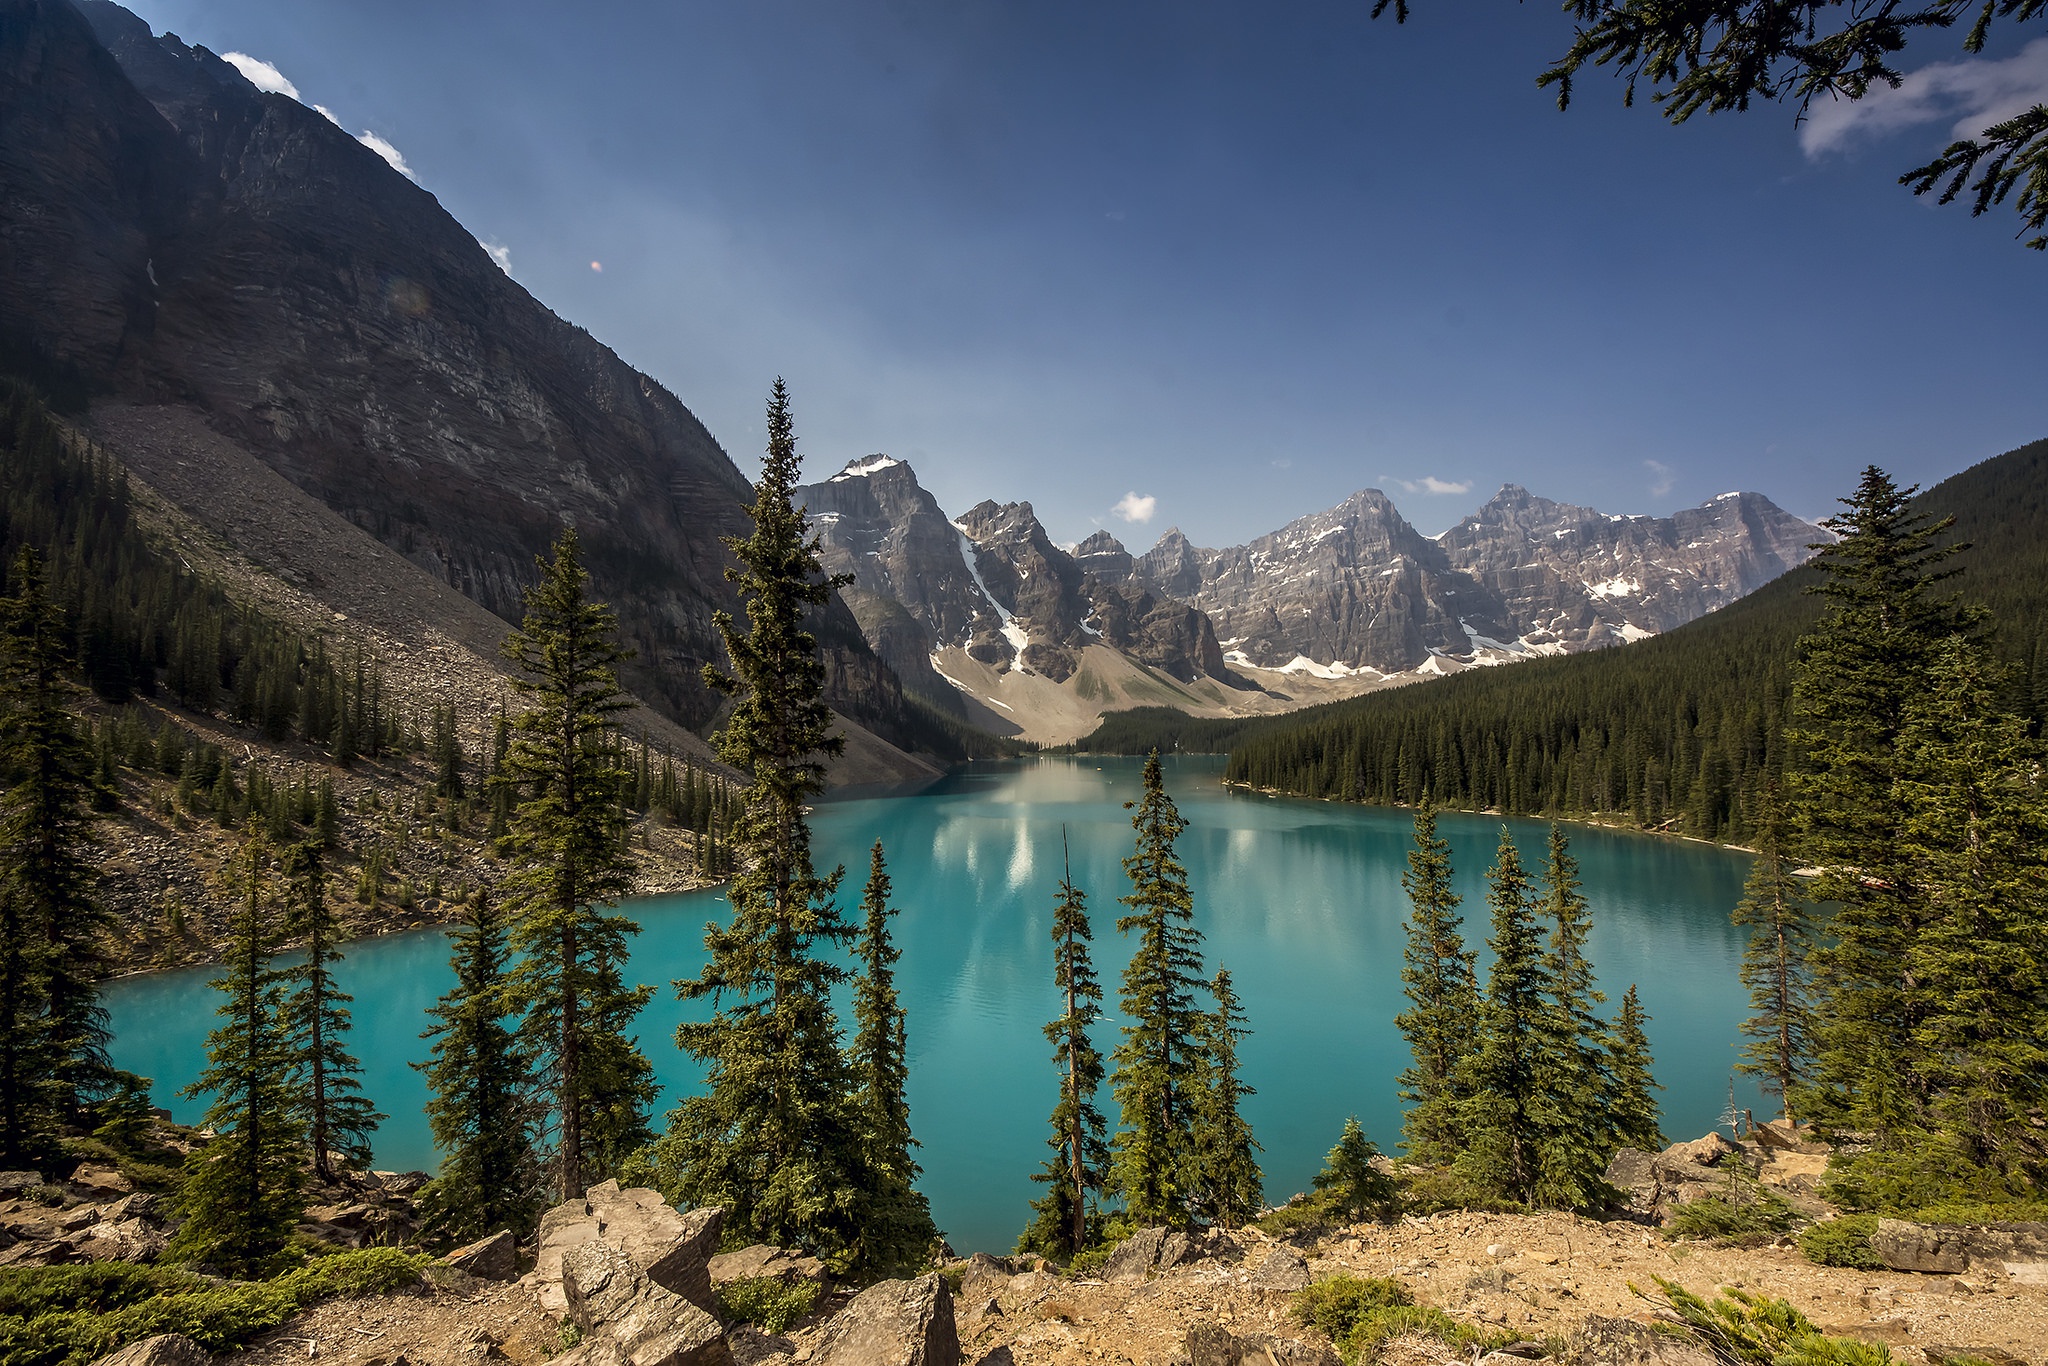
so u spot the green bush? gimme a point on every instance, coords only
(1444, 1188)
(70, 1315)
(1727, 1220)
(1381, 1326)
(1842, 1242)
(1301, 1218)
(1750, 1330)
(766, 1302)
(1337, 1304)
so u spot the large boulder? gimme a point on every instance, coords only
(165, 1349)
(1210, 1344)
(1282, 1269)
(1135, 1257)
(893, 1323)
(670, 1249)
(495, 1258)
(97, 1182)
(126, 1240)
(1945, 1249)
(612, 1301)
(1706, 1151)
(762, 1262)
(1603, 1341)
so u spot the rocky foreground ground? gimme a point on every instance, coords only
(619, 1278)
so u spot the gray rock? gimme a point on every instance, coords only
(776, 1263)
(671, 1249)
(165, 1349)
(1210, 1344)
(610, 1298)
(1945, 1249)
(893, 1323)
(495, 1258)
(126, 1240)
(98, 1183)
(1705, 1151)
(985, 1276)
(16, 1183)
(1283, 1269)
(1135, 1257)
(1603, 1341)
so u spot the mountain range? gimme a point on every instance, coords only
(295, 344)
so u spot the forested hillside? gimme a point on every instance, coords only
(1679, 732)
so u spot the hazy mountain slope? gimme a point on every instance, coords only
(171, 236)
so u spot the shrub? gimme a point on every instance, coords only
(766, 1302)
(1749, 1330)
(1337, 1304)
(1726, 1220)
(1444, 1188)
(1842, 1242)
(1381, 1326)
(70, 1315)
(1302, 1217)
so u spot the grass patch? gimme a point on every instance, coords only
(1750, 1330)
(1363, 1314)
(766, 1302)
(71, 1315)
(1842, 1242)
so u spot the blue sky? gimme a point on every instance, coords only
(1238, 259)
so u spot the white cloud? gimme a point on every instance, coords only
(1133, 507)
(329, 113)
(260, 74)
(1429, 483)
(1974, 94)
(499, 252)
(1664, 477)
(387, 151)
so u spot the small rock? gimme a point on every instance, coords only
(893, 1323)
(775, 1263)
(752, 1347)
(17, 1183)
(1603, 1341)
(1210, 1344)
(495, 1258)
(1134, 1257)
(1283, 1269)
(97, 1182)
(1704, 1152)
(1499, 1250)
(1542, 1258)
(165, 1349)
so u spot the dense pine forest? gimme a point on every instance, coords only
(1681, 733)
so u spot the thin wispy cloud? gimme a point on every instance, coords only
(1662, 477)
(261, 74)
(391, 154)
(499, 252)
(328, 114)
(1135, 507)
(1429, 483)
(1971, 95)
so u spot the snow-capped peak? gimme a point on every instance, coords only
(860, 469)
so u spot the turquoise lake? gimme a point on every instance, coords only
(1301, 900)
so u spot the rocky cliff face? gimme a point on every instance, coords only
(1582, 578)
(1357, 588)
(173, 236)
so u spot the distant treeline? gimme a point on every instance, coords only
(1681, 732)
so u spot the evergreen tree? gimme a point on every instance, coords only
(1776, 967)
(1507, 1113)
(1575, 1076)
(1859, 669)
(897, 1232)
(53, 1033)
(1438, 979)
(1158, 1064)
(242, 1193)
(1075, 1173)
(1975, 839)
(482, 1115)
(1633, 1109)
(337, 1116)
(569, 869)
(1352, 1186)
(776, 1137)
(1227, 1185)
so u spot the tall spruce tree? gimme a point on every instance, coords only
(483, 1115)
(1507, 1112)
(1158, 1066)
(1438, 978)
(338, 1117)
(1575, 1150)
(1074, 1175)
(776, 1137)
(53, 1033)
(1228, 1186)
(1777, 968)
(1633, 1109)
(896, 1229)
(1975, 838)
(1859, 669)
(242, 1195)
(569, 869)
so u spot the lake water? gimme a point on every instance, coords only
(1301, 900)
